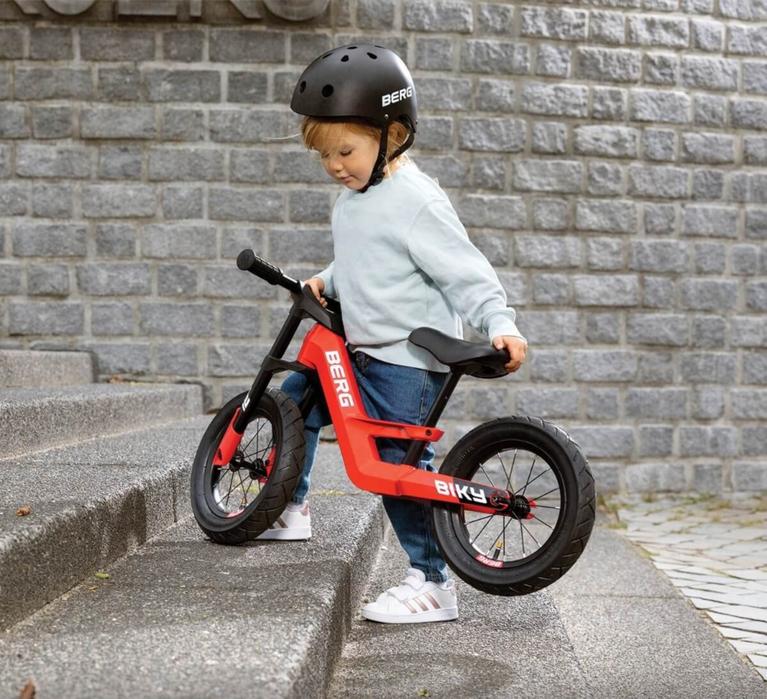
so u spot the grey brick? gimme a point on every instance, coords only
(433, 133)
(120, 162)
(13, 121)
(50, 44)
(375, 14)
(305, 47)
(547, 175)
(53, 161)
(484, 134)
(659, 144)
(751, 40)
(709, 258)
(756, 295)
(11, 42)
(182, 202)
(438, 16)
(448, 170)
(123, 358)
(246, 86)
(708, 331)
(748, 476)
(494, 246)
(708, 294)
(247, 126)
(612, 65)
(240, 321)
(742, 10)
(182, 85)
(602, 403)
(546, 251)
(183, 125)
(748, 332)
(605, 365)
(655, 440)
(52, 200)
(708, 367)
(753, 439)
(115, 240)
(306, 245)
(5, 160)
(118, 122)
(111, 319)
(309, 206)
(118, 201)
(550, 214)
(710, 221)
(707, 403)
(610, 141)
(492, 211)
(13, 200)
(562, 100)
(53, 83)
(751, 187)
(603, 328)
(755, 150)
(5, 83)
(550, 327)
(179, 241)
(749, 404)
(48, 280)
(119, 84)
(233, 240)
(755, 76)
(490, 56)
(549, 137)
(710, 110)
(247, 45)
(494, 18)
(606, 216)
(653, 477)
(656, 403)
(607, 27)
(226, 282)
(234, 359)
(657, 329)
(117, 279)
(495, 96)
(605, 253)
(709, 73)
(605, 178)
(177, 280)
(549, 366)
(443, 93)
(11, 278)
(663, 106)
(548, 402)
(551, 289)
(45, 318)
(111, 44)
(51, 122)
(756, 223)
(658, 292)
(553, 23)
(183, 319)
(658, 181)
(707, 35)
(301, 166)
(745, 259)
(177, 359)
(434, 54)
(233, 204)
(707, 441)
(49, 240)
(658, 256)
(604, 441)
(754, 368)
(183, 45)
(661, 68)
(609, 103)
(707, 184)
(186, 164)
(748, 114)
(655, 30)
(615, 290)
(250, 165)
(553, 61)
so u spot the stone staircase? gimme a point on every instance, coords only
(107, 586)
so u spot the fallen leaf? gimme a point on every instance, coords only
(23, 511)
(28, 691)
(424, 693)
(101, 575)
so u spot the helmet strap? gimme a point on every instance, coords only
(378, 169)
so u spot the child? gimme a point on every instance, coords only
(402, 260)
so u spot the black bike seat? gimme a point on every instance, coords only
(472, 358)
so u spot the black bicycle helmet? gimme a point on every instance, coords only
(363, 82)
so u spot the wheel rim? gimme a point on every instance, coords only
(499, 541)
(234, 490)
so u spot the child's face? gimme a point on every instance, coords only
(349, 157)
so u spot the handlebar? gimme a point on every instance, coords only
(248, 261)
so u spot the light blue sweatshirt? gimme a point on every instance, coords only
(402, 260)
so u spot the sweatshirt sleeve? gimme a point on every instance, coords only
(440, 246)
(327, 276)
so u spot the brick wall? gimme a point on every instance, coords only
(608, 158)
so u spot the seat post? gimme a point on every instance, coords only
(415, 450)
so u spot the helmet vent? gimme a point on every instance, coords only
(327, 90)
(302, 86)
(372, 55)
(352, 47)
(344, 59)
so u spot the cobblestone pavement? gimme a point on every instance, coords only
(715, 551)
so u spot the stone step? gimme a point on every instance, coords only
(183, 617)
(38, 418)
(40, 368)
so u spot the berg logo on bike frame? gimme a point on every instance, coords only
(396, 96)
(463, 492)
(340, 382)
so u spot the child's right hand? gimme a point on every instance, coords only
(317, 286)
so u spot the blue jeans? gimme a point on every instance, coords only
(399, 394)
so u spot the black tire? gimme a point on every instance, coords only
(567, 527)
(267, 466)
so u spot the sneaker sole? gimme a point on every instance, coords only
(418, 618)
(295, 534)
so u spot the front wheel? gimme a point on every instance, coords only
(237, 502)
(513, 555)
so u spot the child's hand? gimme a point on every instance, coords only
(317, 286)
(515, 346)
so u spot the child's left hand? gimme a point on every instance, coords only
(515, 346)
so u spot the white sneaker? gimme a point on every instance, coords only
(414, 601)
(294, 524)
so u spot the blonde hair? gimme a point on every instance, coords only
(318, 134)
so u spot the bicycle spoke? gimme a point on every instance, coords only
(479, 519)
(529, 533)
(542, 522)
(508, 476)
(530, 473)
(471, 541)
(535, 479)
(547, 507)
(481, 468)
(540, 497)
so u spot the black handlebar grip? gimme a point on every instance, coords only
(248, 261)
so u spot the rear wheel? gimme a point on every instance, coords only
(552, 484)
(239, 501)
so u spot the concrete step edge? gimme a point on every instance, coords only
(44, 368)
